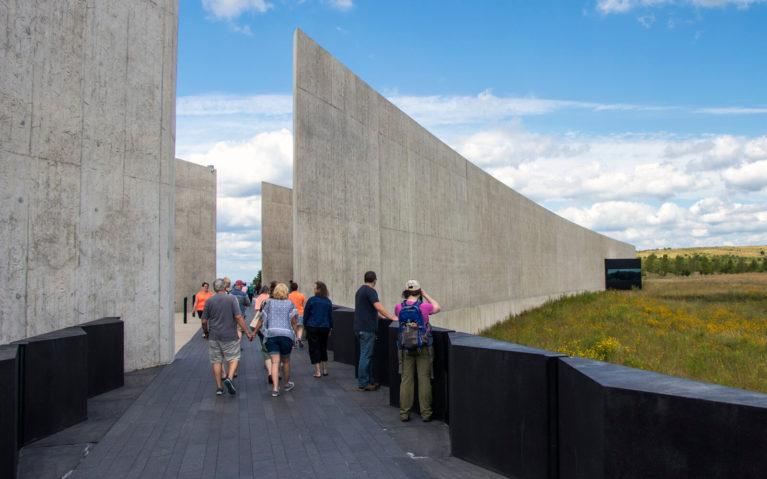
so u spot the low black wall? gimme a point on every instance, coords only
(616, 421)
(345, 347)
(503, 406)
(105, 355)
(439, 385)
(53, 383)
(9, 411)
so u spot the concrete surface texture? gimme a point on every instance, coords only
(87, 95)
(195, 232)
(276, 233)
(373, 190)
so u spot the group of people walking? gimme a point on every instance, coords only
(282, 315)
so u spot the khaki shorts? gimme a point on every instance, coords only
(219, 351)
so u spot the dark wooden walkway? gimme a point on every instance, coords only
(179, 428)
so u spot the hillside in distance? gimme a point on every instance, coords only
(740, 251)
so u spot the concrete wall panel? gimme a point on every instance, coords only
(195, 232)
(402, 203)
(277, 233)
(88, 98)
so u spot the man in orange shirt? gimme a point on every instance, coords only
(299, 300)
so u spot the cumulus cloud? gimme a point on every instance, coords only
(243, 165)
(709, 222)
(230, 9)
(623, 6)
(747, 176)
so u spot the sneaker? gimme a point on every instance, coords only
(300, 344)
(275, 393)
(229, 386)
(362, 388)
(404, 417)
(219, 391)
(426, 419)
(290, 386)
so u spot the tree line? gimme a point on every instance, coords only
(684, 265)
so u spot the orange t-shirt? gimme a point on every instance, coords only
(299, 300)
(201, 297)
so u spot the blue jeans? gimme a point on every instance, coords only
(365, 371)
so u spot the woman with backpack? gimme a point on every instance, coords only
(414, 342)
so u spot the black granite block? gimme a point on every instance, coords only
(503, 406)
(54, 383)
(381, 353)
(623, 273)
(345, 347)
(439, 385)
(105, 355)
(9, 410)
(616, 421)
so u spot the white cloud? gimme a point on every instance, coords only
(230, 9)
(710, 222)
(748, 176)
(219, 105)
(486, 107)
(242, 166)
(342, 5)
(623, 6)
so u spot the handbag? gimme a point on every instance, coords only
(255, 320)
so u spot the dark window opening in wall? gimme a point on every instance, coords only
(623, 273)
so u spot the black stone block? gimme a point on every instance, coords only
(105, 355)
(54, 383)
(345, 347)
(503, 406)
(439, 385)
(622, 422)
(381, 353)
(9, 410)
(625, 273)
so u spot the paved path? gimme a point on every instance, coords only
(179, 428)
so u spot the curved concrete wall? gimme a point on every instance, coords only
(373, 190)
(87, 95)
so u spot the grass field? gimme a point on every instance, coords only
(711, 328)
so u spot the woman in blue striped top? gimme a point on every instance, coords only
(278, 316)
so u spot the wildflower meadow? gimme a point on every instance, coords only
(710, 328)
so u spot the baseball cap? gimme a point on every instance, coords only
(238, 282)
(413, 285)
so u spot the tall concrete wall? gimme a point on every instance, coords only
(87, 127)
(195, 232)
(276, 233)
(373, 190)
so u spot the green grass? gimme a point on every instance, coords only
(710, 328)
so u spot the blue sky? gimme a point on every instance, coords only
(645, 120)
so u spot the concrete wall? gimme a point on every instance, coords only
(195, 232)
(276, 234)
(87, 127)
(373, 190)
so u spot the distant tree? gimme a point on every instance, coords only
(650, 264)
(257, 279)
(705, 266)
(663, 267)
